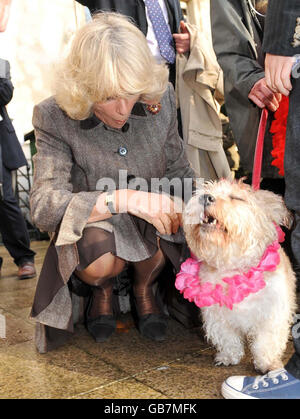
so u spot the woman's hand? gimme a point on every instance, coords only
(158, 209)
(278, 73)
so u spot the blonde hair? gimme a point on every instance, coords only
(109, 58)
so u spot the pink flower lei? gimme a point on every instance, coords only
(188, 280)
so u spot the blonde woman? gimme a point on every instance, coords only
(113, 114)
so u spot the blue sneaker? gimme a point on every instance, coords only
(278, 384)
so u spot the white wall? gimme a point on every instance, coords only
(37, 33)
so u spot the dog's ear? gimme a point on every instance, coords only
(275, 207)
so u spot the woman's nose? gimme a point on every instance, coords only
(123, 107)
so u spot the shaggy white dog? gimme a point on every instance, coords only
(230, 228)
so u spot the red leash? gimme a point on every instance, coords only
(259, 148)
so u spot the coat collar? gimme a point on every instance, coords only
(93, 121)
(247, 22)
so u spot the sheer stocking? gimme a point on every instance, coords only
(145, 273)
(102, 299)
(99, 275)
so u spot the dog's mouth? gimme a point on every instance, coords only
(209, 221)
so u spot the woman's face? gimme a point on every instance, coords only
(115, 112)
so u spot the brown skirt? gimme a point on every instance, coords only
(94, 243)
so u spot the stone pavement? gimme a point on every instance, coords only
(126, 367)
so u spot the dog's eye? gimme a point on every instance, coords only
(237, 198)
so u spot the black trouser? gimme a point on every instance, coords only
(12, 224)
(292, 199)
(172, 79)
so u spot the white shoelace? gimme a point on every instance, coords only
(262, 379)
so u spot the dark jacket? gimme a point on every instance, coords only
(136, 10)
(237, 41)
(12, 153)
(280, 28)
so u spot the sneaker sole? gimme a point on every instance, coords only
(230, 393)
(26, 277)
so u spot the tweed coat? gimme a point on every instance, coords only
(72, 156)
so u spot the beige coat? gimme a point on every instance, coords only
(199, 81)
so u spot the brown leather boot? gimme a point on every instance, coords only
(26, 270)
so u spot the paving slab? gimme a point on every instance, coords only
(127, 366)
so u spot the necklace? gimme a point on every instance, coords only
(254, 9)
(237, 288)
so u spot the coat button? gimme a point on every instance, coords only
(122, 151)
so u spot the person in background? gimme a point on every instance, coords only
(237, 33)
(282, 45)
(13, 228)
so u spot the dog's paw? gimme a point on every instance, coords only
(227, 359)
(263, 367)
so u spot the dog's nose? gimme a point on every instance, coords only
(206, 200)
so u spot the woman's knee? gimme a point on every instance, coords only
(105, 267)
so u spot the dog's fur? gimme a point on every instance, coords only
(235, 242)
